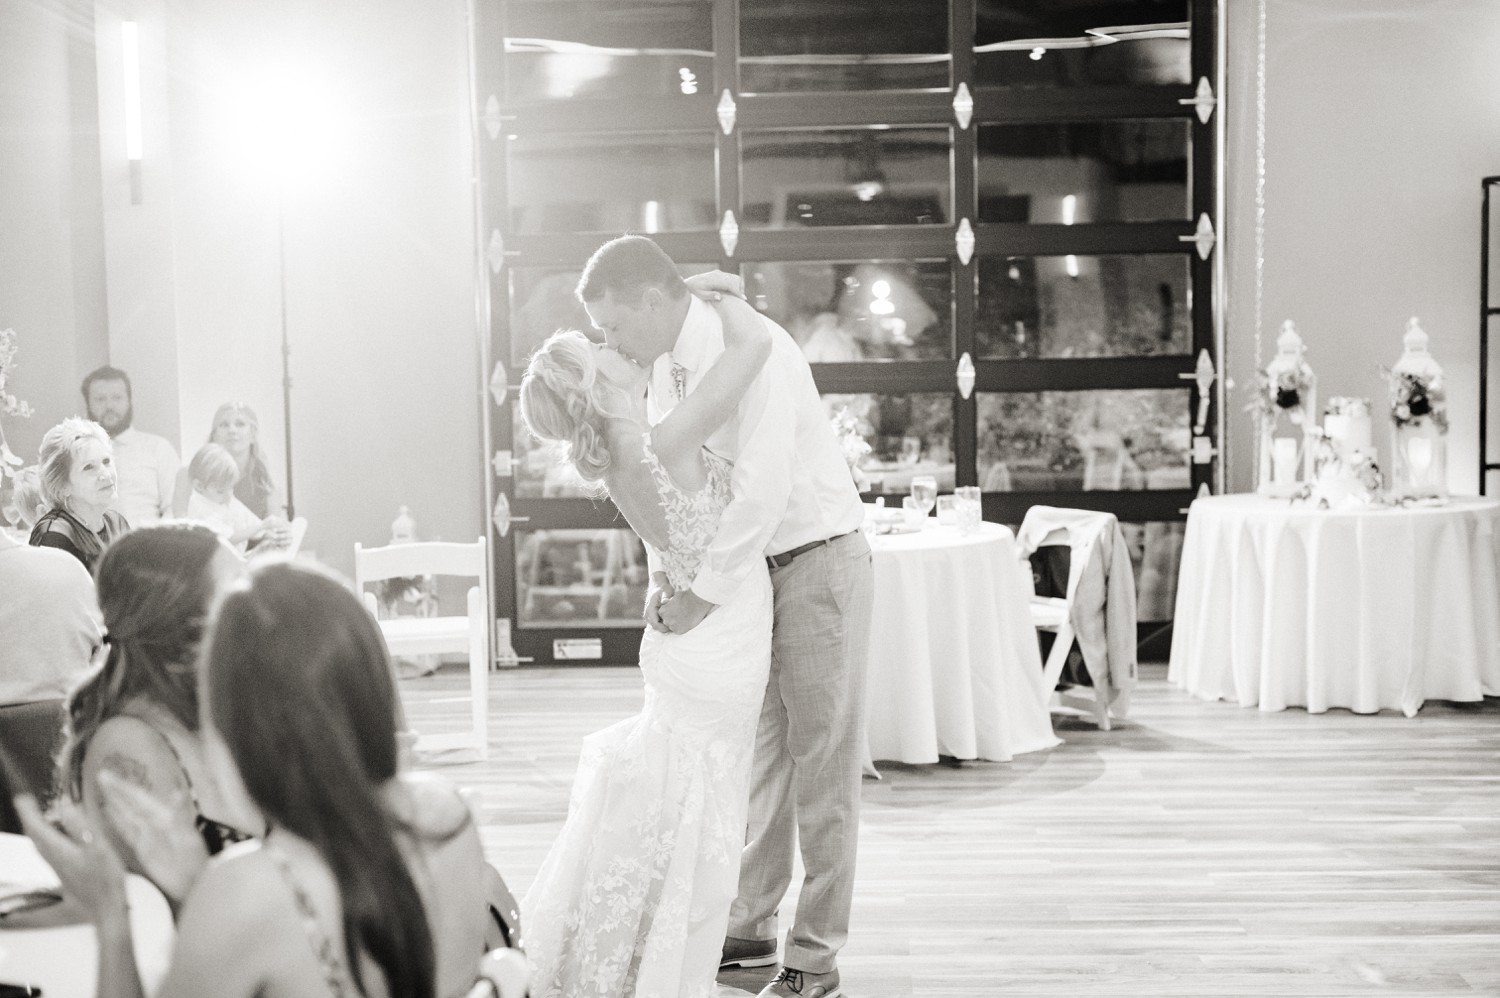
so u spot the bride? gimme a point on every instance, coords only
(633, 898)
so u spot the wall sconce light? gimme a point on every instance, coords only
(130, 37)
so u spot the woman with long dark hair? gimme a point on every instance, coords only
(135, 716)
(369, 881)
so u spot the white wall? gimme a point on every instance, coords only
(378, 259)
(1382, 115)
(51, 252)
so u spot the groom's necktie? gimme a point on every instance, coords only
(679, 382)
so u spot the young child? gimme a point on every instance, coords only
(214, 472)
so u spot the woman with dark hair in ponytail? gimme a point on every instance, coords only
(368, 882)
(135, 715)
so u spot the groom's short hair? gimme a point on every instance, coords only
(627, 266)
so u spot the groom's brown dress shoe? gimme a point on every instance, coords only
(800, 984)
(747, 953)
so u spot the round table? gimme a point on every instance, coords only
(954, 665)
(1282, 604)
(63, 960)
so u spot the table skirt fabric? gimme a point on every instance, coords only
(1371, 609)
(954, 669)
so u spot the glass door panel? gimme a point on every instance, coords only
(579, 578)
(841, 311)
(1081, 441)
(559, 50)
(1084, 306)
(611, 183)
(1075, 172)
(797, 178)
(1082, 43)
(792, 45)
(907, 435)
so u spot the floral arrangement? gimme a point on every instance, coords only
(853, 444)
(1415, 397)
(1284, 392)
(403, 589)
(9, 404)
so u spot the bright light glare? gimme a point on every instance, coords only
(130, 37)
(1037, 53)
(881, 288)
(1069, 209)
(1072, 264)
(651, 217)
(285, 125)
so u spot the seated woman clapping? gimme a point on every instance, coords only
(369, 881)
(136, 716)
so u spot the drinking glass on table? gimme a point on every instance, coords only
(969, 509)
(924, 492)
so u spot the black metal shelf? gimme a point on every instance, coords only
(1486, 311)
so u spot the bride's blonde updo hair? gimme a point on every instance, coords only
(566, 400)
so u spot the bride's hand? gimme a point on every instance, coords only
(715, 284)
(661, 590)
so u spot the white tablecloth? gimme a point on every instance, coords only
(954, 664)
(64, 961)
(1284, 605)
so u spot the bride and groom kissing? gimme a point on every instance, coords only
(700, 418)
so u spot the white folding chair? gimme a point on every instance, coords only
(437, 635)
(1054, 614)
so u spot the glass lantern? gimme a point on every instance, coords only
(1419, 421)
(1289, 398)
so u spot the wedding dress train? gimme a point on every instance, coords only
(633, 899)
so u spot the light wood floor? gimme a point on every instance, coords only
(1199, 849)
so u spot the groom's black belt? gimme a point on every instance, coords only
(785, 558)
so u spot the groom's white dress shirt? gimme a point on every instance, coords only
(791, 483)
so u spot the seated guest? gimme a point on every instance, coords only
(369, 881)
(137, 715)
(49, 619)
(237, 430)
(77, 475)
(146, 464)
(25, 503)
(213, 473)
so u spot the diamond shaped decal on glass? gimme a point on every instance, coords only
(965, 375)
(500, 517)
(726, 112)
(1203, 100)
(499, 384)
(963, 241)
(729, 233)
(963, 106)
(1203, 238)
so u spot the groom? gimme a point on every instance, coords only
(795, 506)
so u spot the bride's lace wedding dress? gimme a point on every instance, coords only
(633, 898)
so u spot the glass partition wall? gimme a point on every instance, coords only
(1024, 189)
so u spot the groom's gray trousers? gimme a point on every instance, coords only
(808, 754)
